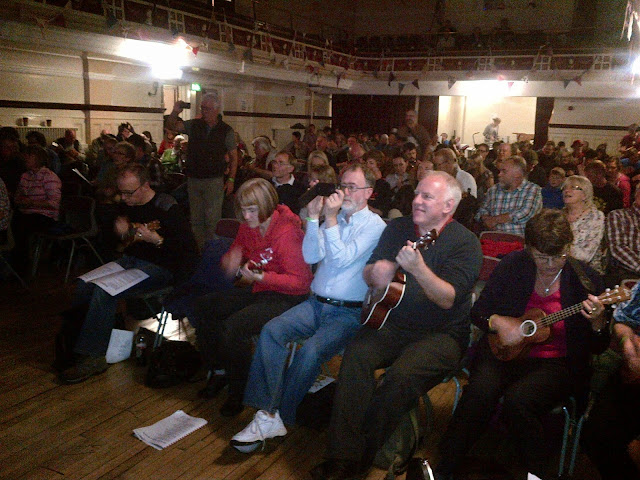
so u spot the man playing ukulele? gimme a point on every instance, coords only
(423, 337)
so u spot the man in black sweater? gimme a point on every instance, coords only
(166, 252)
(422, 339)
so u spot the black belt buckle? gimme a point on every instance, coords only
(338, 303)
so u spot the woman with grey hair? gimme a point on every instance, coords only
(587, 222)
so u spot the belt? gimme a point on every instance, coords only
(336, 302)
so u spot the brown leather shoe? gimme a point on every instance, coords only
(84, 368)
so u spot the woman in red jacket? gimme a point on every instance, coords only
(267, 256)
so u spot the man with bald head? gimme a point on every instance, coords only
(211, 143)
(511, 202)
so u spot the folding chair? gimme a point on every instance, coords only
(78, 213)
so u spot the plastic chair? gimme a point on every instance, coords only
(498, 236)
(7, 247)
(79, 214)
(488, 265)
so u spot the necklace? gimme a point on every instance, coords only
(546, 290)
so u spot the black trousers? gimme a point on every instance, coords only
(228, 321)
(23, 226)
(531, 388)
(613, 423)
(364, 414)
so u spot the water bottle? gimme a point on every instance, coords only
(141, 348)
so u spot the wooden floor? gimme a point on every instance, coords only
(51, 431)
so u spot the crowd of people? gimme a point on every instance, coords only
(301, 270)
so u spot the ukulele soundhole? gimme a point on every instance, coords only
(528, 328)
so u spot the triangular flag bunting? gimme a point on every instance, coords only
(400, 88)
(195, 50)
(566, 83)
(416, 84)
(451, 82)
(392, 77)
(338, 78)
(510, 84)
(578, 80)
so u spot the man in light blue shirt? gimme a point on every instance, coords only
(328, 320)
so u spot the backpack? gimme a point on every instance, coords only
(172, 363)
(395, 454)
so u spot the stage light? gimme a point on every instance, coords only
(165, 60)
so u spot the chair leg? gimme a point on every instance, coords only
(565, 440)
(95, 252)
(162, 323)
(15, 274)
(73, 249)
(36, 257)
(576, 444)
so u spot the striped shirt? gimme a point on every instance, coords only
(623, 232)
(522, 204)
(43, 185)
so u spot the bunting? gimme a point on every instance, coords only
(451, 82)
(392, 77)
(566, 83)
(400, 88)
(416, 84)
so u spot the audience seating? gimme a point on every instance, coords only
(78, 214)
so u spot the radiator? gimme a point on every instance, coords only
(50, 133)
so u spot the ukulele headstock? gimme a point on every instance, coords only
(426, 240)
(615, 295)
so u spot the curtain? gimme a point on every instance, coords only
(369, 113)
(544, 109)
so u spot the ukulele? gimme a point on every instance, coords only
(131, 237)
(378, 303)
(255, 267)
(535, 327)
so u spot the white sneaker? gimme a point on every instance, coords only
(262, 426)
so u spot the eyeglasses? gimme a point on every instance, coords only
(128, 193)
(351, 188)
(572, 187)
(549, 258)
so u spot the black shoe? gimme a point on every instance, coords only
(213, 387)
(335, 469)
(233, 406)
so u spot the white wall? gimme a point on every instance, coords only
(603, 112)
(467, 115)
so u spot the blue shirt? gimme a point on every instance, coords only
(341, 253)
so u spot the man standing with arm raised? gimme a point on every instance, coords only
(423, 337)
(211, 142)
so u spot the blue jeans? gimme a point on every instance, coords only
(327, 330)
(96, 330)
